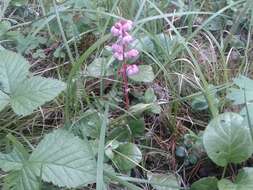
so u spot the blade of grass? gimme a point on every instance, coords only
(101, 148)
(72, 60)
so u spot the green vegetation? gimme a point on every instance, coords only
(116, 94)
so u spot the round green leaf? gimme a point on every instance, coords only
(127, 156)
(227, 139)
(145, 74)
(244, 181)
(207, 183)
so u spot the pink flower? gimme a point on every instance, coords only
(116, 31)
(132, 70)
(117, 48)
(127, 39)
(127, 25)
(118, 56)
(132, 54)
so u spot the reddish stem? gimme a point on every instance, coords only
(125, 81)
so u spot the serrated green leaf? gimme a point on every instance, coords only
(24, 179)
(145, 74)
(244, 181)
(13, 71)
(227, 139)
(23, 93)
(127, 156)
(15, 159)
(163, 181)
(65, 160)
(207, 183)
(33, 93)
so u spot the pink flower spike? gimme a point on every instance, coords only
(117, 48)
(127, 39)
(118, 56)
(127, 25)
(132, 53)
(132, 70)
(115, 31)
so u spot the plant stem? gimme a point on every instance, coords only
(224, 172)
(124, 76)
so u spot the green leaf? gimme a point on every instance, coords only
(225, 184)
(244, 181)
(24, 179)
(33, 93)
(145, 74)
(143, 44)
(127, 156)
(4, 100)
(150, 96)
(137, 126)
(4, 27)
(89, 125)
(139, 108)
(19, 3)
(23, 93)
(207, 183)
(100, 67)
(199, 103)
(163, 181)
(15, 159)
(14, 69)
(227, 139)
(237, 95)
(65, 160)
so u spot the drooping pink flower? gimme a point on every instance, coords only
(132, 70)
(117, 48)
(127, 25)
(127, 39)
(116, 31)
(133, 53)
(118, 56)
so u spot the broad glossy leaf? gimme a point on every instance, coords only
(65, 159)
(227, 139)
(145, 74)
(244, 181)
(163, 181)
(33, 93)
(13, 71)
(207, 183)
(127, 156)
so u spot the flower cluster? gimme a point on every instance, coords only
(121, 50)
